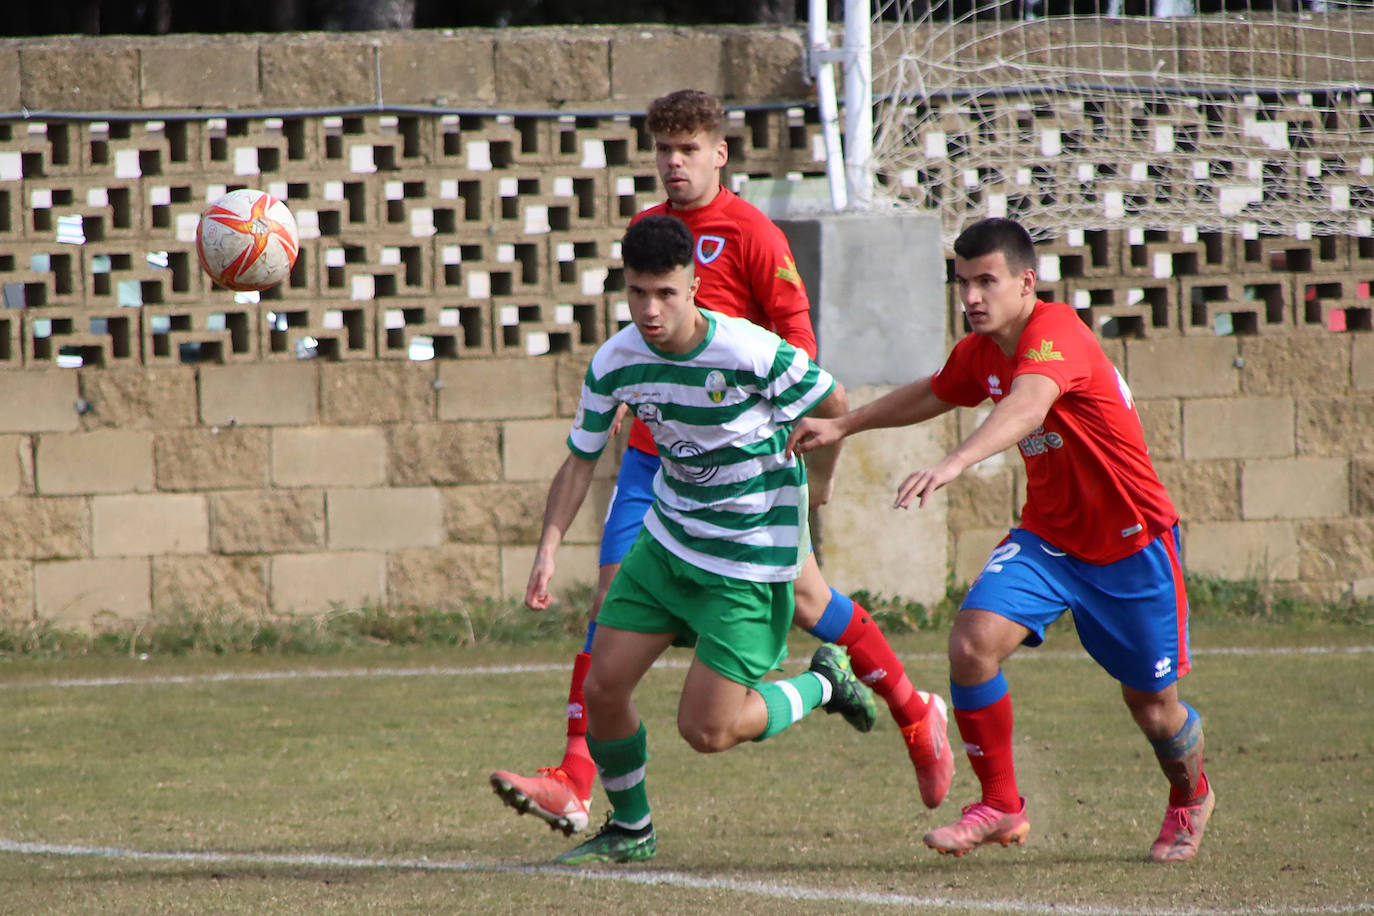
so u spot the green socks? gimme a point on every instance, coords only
(788, 700)
(621, 766)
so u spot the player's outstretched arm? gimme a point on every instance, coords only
(1015, 417)
(910, 404)
(566, 495)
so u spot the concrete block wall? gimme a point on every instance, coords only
(572, 68)
(415, 492)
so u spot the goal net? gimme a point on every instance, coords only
(1260, 122)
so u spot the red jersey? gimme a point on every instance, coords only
(746, 271)
(1090, 487)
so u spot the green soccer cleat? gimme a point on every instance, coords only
(848, 696)
(613, 843)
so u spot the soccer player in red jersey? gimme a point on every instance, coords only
(1098, 533)
(745, 268)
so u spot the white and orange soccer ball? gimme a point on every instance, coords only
(247, 240)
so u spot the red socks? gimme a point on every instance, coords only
(877, 666)
(577, 760)
(987, 739)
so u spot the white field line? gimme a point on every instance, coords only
(292, 674)
(649, 876)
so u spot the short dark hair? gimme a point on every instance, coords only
(686, 111)
(657, 245)
(998, 233)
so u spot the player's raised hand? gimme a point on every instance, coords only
(811, 433)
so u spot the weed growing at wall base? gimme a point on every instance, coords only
(226, 631)
(1256, 600)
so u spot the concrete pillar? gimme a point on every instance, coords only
(877, 289)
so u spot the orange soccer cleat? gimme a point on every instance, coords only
(549, 796)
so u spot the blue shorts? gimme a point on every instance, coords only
(631, 498)
(1131, 615)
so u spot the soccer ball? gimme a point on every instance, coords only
(247, 240)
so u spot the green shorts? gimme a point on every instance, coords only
(740, 626)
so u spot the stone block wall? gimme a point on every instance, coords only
(284, 487)
(582, 68)
(382, 428)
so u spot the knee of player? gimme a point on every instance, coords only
(600, 695)
(964, 652)
(1159, 715)
(705, 738)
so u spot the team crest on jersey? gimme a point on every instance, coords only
(709, 247)
(649, 413)
(994, 385)
(715, 386)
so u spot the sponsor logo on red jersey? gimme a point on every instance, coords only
(1045, 354)
(787, 271)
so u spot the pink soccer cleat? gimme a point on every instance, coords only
(549, 796)
(1181, 834)
(980, 825)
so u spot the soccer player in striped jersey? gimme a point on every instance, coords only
(745, 269)
(721, 543)
(1098, 534)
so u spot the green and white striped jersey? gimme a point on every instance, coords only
(726, 498)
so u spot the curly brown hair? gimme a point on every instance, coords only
(657, 244)
(686, 111)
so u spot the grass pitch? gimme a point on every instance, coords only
(290, 784)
